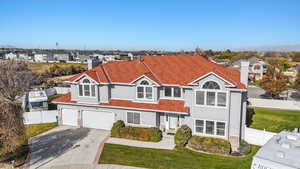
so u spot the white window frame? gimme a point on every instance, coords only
(133, 124)
(144, 91)
(215, 129)
(172, 93)
(216, 91)
(90, 88)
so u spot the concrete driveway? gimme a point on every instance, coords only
(66, 146)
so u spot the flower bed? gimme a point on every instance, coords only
(135, 133)
(208, 144)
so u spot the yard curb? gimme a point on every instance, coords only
(100, 149)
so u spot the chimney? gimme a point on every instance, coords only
(93, 63)
(244, 72)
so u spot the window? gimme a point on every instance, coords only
(200, 97)
(177, 92)
(86, 88)
(80, 90)
(211, 85)
(222, 99)
(220, 129)
(133, 118)
(172, 92)
(210, 98)
(199, 126)
(211, 95)
(168, 91)
(209, 127)
(144, 90)
(93, 90)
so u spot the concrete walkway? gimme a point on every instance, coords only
(66, 146)
(166, 143)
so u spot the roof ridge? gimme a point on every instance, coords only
(151, 72)
(105, 73)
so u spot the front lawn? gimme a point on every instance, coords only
(274, 120)
(36, 129)
(171, 159)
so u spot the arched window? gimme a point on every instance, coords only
(86, 81)
(211, 95)
(86, 88)
(211, 85)
(144, 90)
(144, 82)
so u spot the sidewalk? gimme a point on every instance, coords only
(86, 166)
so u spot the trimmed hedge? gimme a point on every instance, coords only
(135, 133)
(211, 145)
(182, 136)
(115, 130)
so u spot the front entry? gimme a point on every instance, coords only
(172, 121)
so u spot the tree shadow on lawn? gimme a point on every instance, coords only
(46, 148)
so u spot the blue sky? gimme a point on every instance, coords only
(149, 24)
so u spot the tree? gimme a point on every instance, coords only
(15, 80)
(297, 81)
(274, 82)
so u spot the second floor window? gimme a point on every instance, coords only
(211, 95)
(144, 90)
(86, 88)
(172, 92)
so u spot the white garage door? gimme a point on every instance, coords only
(98, 119)
(69, 117)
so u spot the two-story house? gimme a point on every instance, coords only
(161, 91)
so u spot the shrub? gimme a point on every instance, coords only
(182, 136)
(208, 144)
(116, 129)
(155, 134)
(244, 148)
(135, 133)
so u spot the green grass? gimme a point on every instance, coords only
(36, 129)
(171, 159)
(275, 120)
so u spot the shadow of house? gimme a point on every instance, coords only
(48, 147)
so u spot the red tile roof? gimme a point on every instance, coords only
(162, 105)
(172, 70)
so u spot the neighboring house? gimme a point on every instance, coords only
(292, 72)
(160, 91)
(280, 152)
(37, 100)
(10, 56)
(62, 56)
(257, 68)
(43, 56)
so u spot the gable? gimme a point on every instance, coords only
(211, 76)
(144, 77)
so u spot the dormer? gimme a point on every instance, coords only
(145, 89)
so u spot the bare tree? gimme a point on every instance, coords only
(15, 79)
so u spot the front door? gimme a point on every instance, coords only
(173, 121)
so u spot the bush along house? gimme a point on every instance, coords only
(160, 91)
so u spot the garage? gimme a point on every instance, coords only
(69, 117)
(98, 119)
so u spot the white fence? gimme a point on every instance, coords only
(276, 104)
(37, 117)
(257, 137)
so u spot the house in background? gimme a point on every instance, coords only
(62, 56)
(257, 68)
(160, 91)
(37, 100)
